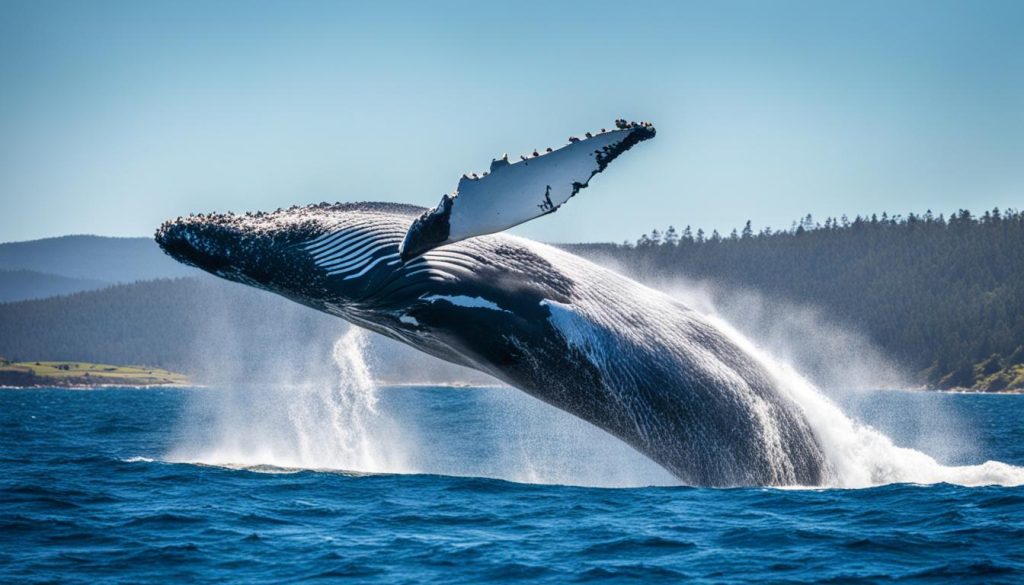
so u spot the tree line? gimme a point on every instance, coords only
(942, 294)
(214, 331)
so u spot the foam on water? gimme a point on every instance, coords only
(862, 456)
(317, 424)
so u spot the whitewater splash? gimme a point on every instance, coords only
(317, 424)
(860, 455)
(339, 425)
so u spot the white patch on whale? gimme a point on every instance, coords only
(466, 301)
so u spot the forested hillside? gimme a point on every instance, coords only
(156, 323)
(944, 296)
(19, 285)
(215, 331)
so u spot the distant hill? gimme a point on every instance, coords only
(215, 331)
(92, 258)
(19, 285)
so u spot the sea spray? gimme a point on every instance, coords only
(861, 456)
(352, 424)
(310, 424)
(846, 371)
(528, 441)
(351, 405)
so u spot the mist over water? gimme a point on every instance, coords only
(830, 373)
(309, 424)
(349, 423)
(340, 418)
(861, 455)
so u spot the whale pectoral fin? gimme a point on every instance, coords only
(514, 193)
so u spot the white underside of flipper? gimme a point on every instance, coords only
(514, 193)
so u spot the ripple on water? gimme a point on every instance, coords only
(103, 507)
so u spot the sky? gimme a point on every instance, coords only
(117, 115)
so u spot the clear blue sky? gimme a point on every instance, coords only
(117, 115)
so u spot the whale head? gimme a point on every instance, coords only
(326, 255)
(344, 259)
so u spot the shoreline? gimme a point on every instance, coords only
(84, 375)
(81, 387)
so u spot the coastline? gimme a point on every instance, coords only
(85, 375)
(98, 387)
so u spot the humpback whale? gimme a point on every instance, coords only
(628, 359)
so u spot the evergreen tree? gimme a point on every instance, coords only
(671, 237)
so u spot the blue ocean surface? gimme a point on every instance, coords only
(138, 485)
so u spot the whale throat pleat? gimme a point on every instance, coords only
(357, 256)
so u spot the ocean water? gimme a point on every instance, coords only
(471, 485)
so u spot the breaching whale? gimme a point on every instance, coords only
(628, 359)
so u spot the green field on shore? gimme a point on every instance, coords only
(84, 374)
